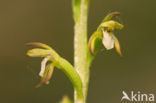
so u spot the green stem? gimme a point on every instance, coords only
(71, 73)
(80, 49)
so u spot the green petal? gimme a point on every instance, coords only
(111, 25)
(38, 52)
(117, 46)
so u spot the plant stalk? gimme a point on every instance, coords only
(80, 50)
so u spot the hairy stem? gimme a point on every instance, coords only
(80, 49)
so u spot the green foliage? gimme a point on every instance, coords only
(84, 52)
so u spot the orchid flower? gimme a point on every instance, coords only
(104, 35)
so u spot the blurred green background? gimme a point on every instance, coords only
(50, 22)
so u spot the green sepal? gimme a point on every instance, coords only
(37, 44)
(110, 16)
(95, 42)
(47, 75)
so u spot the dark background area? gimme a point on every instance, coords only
(51, 22)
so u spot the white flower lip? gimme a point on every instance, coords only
(108, 40)
(43, 65)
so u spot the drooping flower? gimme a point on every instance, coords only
(46, 69)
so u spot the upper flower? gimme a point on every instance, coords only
(105, 35)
